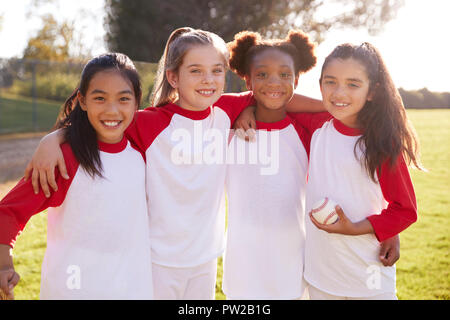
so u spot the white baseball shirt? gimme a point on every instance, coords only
(266, 182)
(349, 265)
(98, 244)
(186, 167)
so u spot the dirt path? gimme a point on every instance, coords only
(15, 152)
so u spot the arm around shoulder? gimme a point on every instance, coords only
(301, 103)
(47, 156)
(21, 203)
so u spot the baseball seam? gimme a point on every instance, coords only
(321, 206)
(332, 213)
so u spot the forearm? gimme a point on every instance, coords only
(362, 227)
(301, 103)
(57, 135)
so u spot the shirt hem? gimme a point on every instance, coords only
(351, 295)
(262, 298)
(189, 265)
(289, 297)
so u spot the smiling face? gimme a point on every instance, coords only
(110, 104)
(272, 80)
(345, 89)
(200, 79)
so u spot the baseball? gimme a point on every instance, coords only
(324, 212)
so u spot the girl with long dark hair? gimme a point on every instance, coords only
(98, 243)
(359, 158)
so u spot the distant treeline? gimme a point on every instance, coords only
(424, 98)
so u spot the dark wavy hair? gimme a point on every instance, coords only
(78, 131)
(386, 130)
(248, 44)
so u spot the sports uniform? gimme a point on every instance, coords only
(186, 153)
(264, 255)
(349, 266)
(98, 243)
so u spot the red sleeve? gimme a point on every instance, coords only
(20, 204)
(234, 103)
(303, 134)
(311, 121)
(146, 126)
(398, 191)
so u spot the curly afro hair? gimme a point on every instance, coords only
(248, 44)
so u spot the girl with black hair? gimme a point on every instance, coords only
(266, 236)
(359, 158)
(98, 243)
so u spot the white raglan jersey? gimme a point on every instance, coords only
(265, 186)
(186, 154)
(349, 265)
(98, 243)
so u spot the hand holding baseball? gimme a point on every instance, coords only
(344, 225)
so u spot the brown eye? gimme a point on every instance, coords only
(261, 75)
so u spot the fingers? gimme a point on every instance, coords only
(321, 226)
(39, 178)
(4, 283)
(251, 133)
(390, 251)
(44, 185)
(384, 253)
(248, 135)
(13, 281)
(342, 225)
(51, 179)
(62, 168)
(8, 280)
(387, 259)
(249, 127)
(391, 258)
(35, 181)
(340, 212)
(240, 133)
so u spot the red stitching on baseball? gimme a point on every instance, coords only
(320, 207)
(329, 216)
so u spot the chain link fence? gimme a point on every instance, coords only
(33, 91)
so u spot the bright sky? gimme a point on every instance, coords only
(413, 45)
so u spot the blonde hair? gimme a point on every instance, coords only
(178, 44)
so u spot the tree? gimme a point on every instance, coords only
(140, 28)
(51, 42)
(58, 39)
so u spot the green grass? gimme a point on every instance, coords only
(16, 114)
(423, 268)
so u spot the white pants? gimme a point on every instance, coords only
(195, 283)
(316, 294)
